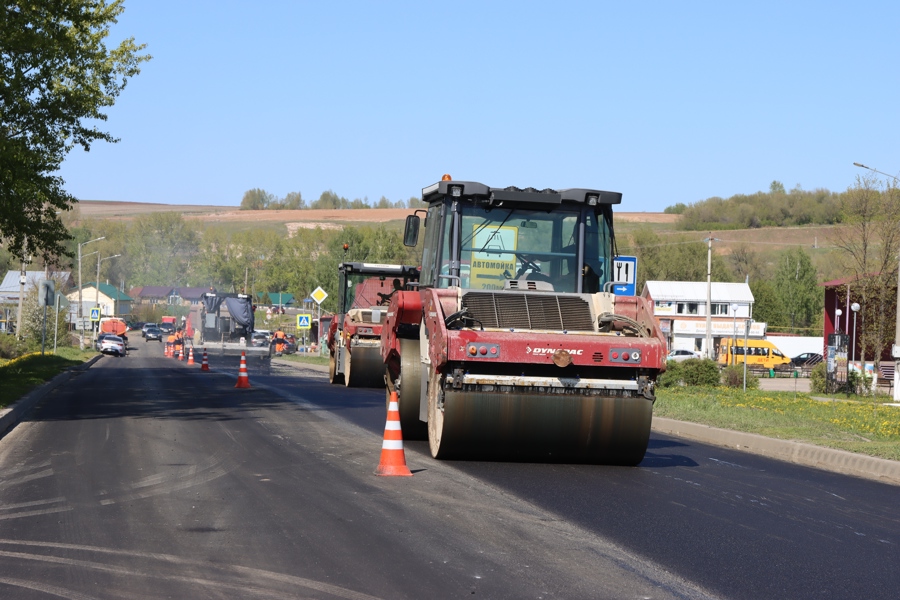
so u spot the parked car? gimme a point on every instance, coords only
(807, 359)
(680, 355)
(112, 344)
(153, 333)
(259, 339)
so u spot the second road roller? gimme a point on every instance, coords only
(513, 345)
(354, 335)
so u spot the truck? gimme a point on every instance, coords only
(354, 334)
(113, 325)
(513, 345)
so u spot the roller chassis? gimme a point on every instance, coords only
(354, 335)
(579, 390)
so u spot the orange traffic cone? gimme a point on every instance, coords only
(166, 350)
(205, 365)
(191, 356)
(393, 458)
(181, 353)
(243, 379)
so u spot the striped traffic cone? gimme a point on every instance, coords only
(205, 365)
(393, 458)
(166, 350)
(243, 379)
(191, 356)
(181, 353)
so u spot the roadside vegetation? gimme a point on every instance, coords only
(850, 425)
(20, 375)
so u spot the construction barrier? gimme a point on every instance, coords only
(243, 380)
(393, 457)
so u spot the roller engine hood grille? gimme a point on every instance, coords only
(541, 311)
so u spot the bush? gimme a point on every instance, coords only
(672, 376)
(700, 371)
(10, 347)
(817, 378)
(733, 377)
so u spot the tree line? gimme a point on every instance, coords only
(165, 249)
(260, 199)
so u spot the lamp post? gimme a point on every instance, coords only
(895, 350)
(837, 320)
(747, 325)
(855, 308)
(709, 350)
(99, 260)
(734, 308)
(80, 309)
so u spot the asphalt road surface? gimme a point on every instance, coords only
(145, 478)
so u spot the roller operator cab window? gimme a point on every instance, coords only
(499, 244)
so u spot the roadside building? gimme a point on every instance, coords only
(680, 309)
(111, 300)
(10, 290)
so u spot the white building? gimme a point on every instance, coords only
(680, 310)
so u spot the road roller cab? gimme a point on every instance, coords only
(354, 335)
(510, 348)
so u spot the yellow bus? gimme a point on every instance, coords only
(760, 354)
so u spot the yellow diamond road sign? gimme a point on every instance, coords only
(319, 295)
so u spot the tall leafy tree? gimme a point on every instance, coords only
(796, 285)
(57, 76)
(869, 245)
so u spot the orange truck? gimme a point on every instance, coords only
(113, 325)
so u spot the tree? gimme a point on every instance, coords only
(767, 307)
(869, 243)
(256, 199)
(56, 78)
(673, 260)
(796, 284)
(293, 201)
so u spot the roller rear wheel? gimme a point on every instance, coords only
(333, 376)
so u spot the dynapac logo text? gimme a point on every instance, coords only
(573, 352)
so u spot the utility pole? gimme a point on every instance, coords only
(709, 348)
(22, 289)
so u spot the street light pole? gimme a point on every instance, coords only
(734, 308)
(895, 350)
(80, 309)
(709, 241)
(855, 308)
(747, 324)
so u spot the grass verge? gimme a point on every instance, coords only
(22, 374)
(304, 358)
(861, 427)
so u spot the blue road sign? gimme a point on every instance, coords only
(95, 314)
(624, 274)
(304, 321)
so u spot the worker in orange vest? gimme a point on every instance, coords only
(278, 338)
(179, 340)
(170, 343)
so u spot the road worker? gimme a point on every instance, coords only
(279, 338)
(170, 343)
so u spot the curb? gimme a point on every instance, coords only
(12, 415)
(799, 453)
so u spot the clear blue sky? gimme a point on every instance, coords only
(663, 101)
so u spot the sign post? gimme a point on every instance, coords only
(319, 296)
(623, 275)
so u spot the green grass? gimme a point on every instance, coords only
(304, 358)
(845, 425)
(20, 375)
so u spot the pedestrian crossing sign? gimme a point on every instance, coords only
(95, 314)
(304, 321)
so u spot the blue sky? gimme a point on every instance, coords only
(663, 101)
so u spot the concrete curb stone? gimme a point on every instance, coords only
(12, 415)
(828, 459)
